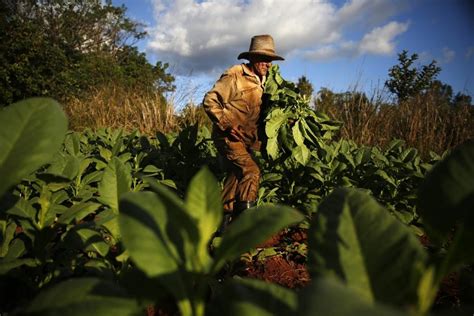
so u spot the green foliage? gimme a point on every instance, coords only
(326, 296)
(388, 239)
(363, 260)
(62, 49)
(169, 240)
(306, 164)
(290, 121)
(461, 99)
(406, 81)
(32, 131)
(115, 182)
(61, 221)
(447, 206)
(305, 87)
(83, 296)
(358, 242)
(247, 298)
(68, 248)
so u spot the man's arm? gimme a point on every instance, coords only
(215, 101)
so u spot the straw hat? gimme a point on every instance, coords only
(261, 45)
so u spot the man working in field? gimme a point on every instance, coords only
(233, 105)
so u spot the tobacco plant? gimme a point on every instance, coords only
(292, 128)
(303, 161)
(362, 260)
(97, 228)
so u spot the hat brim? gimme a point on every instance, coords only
(246, 55)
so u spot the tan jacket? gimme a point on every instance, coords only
(235, 101)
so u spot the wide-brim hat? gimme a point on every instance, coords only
(261, 45)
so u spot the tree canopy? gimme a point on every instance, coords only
(406, 80)
(305, 87)
(62, 48)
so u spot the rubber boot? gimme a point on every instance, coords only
(242, 206)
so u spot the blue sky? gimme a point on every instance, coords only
(337, 44)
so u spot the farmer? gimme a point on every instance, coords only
(233, 105)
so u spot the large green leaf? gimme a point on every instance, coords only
(6, 236)
(116, 181)
(109, 220)
(6, 264)
(273, 147)
(297, 135)
(23, 209)
(87, 239)
(157, 234)
(143, 221)
(31, 132)
(254, 226)
(16, 250)
(47, 212)
(447, 194)
(78, 212)
(86, 296)
(356, 239)
(302, 154)
(328, 296)
(204, 204)
(276, 118)
(182, 228)
(253, 297)
(65, 166)
(446, 201)
(72, 143)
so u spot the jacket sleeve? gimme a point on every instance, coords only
(216, 101)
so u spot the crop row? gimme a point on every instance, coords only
(116, 220)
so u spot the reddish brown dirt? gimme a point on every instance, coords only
(286, 269)
(289, 270)
(278, 270)
(285, 237)
(152, 310)
(449, 292)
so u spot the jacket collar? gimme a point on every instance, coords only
(249, 72)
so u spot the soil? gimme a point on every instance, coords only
(287, 269)
(279, 270)
(453, 294)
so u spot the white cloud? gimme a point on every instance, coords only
(380, 40)
(448, 55)
(370, 12)
(425, 57)
(470, 52)
(208, 35)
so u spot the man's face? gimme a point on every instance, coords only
(260, 65)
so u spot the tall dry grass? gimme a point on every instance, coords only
(193, 114)
(121, 108)
(424, 122)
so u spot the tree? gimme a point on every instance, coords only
(62, 48)
(407, 81)
(462, 99)
(441, 92)
(305, 87)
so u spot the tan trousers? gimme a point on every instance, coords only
(243, 173)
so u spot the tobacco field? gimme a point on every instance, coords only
(115, 222)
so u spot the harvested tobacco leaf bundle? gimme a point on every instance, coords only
(291, 126)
